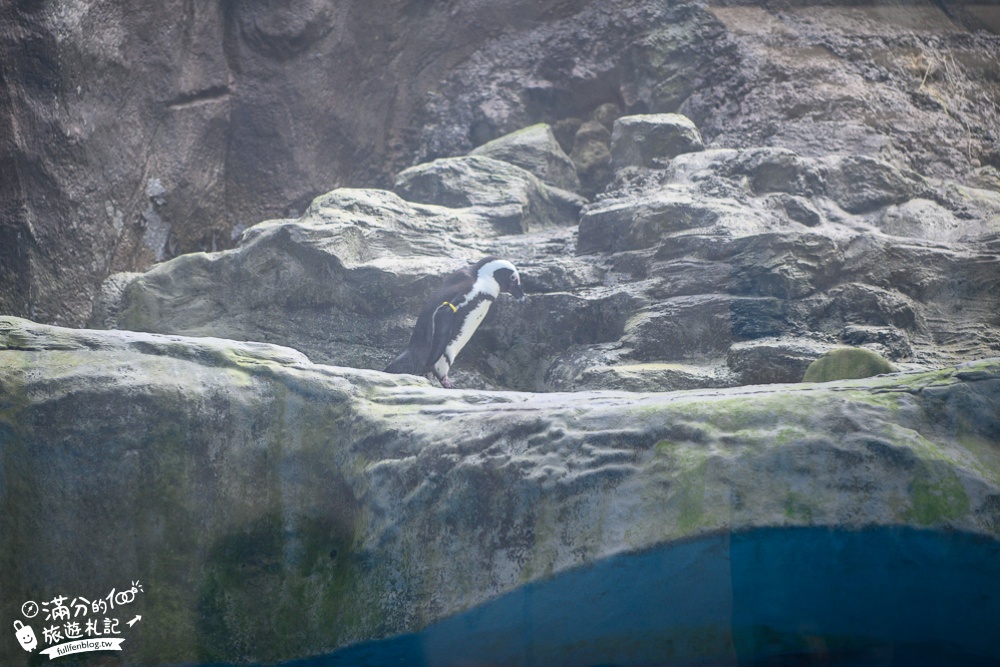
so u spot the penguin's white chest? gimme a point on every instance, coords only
(462, 336)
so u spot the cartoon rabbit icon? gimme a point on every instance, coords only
(25, 636)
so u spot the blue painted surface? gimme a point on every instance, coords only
(808, 596)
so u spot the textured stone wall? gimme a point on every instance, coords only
(132, 135)
(276, 509)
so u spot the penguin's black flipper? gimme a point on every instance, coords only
(416, 359)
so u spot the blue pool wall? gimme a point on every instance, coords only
(880, 596)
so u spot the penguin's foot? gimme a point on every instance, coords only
(446, 383)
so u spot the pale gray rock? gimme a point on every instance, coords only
(535, 149)
(318, 283)
(651, 140)
(798, 209)
(861, 184)
(888, 341)
(928, 220)
(361, 505)
(513, 199)
(108, 303)
(773, 360)
(780, 170)
(611, 366)
(858, 302)
(620, 224)
(703, 325)
(606, 114)
(729, 249)
(922, 219)
(653, 377)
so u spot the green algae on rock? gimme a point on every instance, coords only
(278, 509)
(847, 363)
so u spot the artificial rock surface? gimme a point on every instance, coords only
(123, 143)
(651, 140)
(342, 282)
(537, 150)
(847, 194)
(709, 268)
(276, 509)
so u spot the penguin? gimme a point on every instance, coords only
(450, 317)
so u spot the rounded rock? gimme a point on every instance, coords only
(649, 140)
(847, 363)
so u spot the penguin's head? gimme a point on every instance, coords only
(513, 285)
(505, 274)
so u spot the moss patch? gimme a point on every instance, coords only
(273, 588)
(936, 495)
(848, 363)
(798, 509)
(686, 497)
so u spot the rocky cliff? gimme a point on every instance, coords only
(275, 509)
(707, 204)
(132, 136)
(694, 268)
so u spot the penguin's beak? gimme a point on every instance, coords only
(517, 292)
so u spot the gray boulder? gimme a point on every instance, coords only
(534, 149)
(278, 509)
(512, 198)
(618, 224)
(929, 220)
(862, 184)
(773, 360)
(612, 366)
(847, 363)
(651, 140)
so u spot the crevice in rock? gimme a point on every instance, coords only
(212, 94)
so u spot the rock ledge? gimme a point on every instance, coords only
(361, 505)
